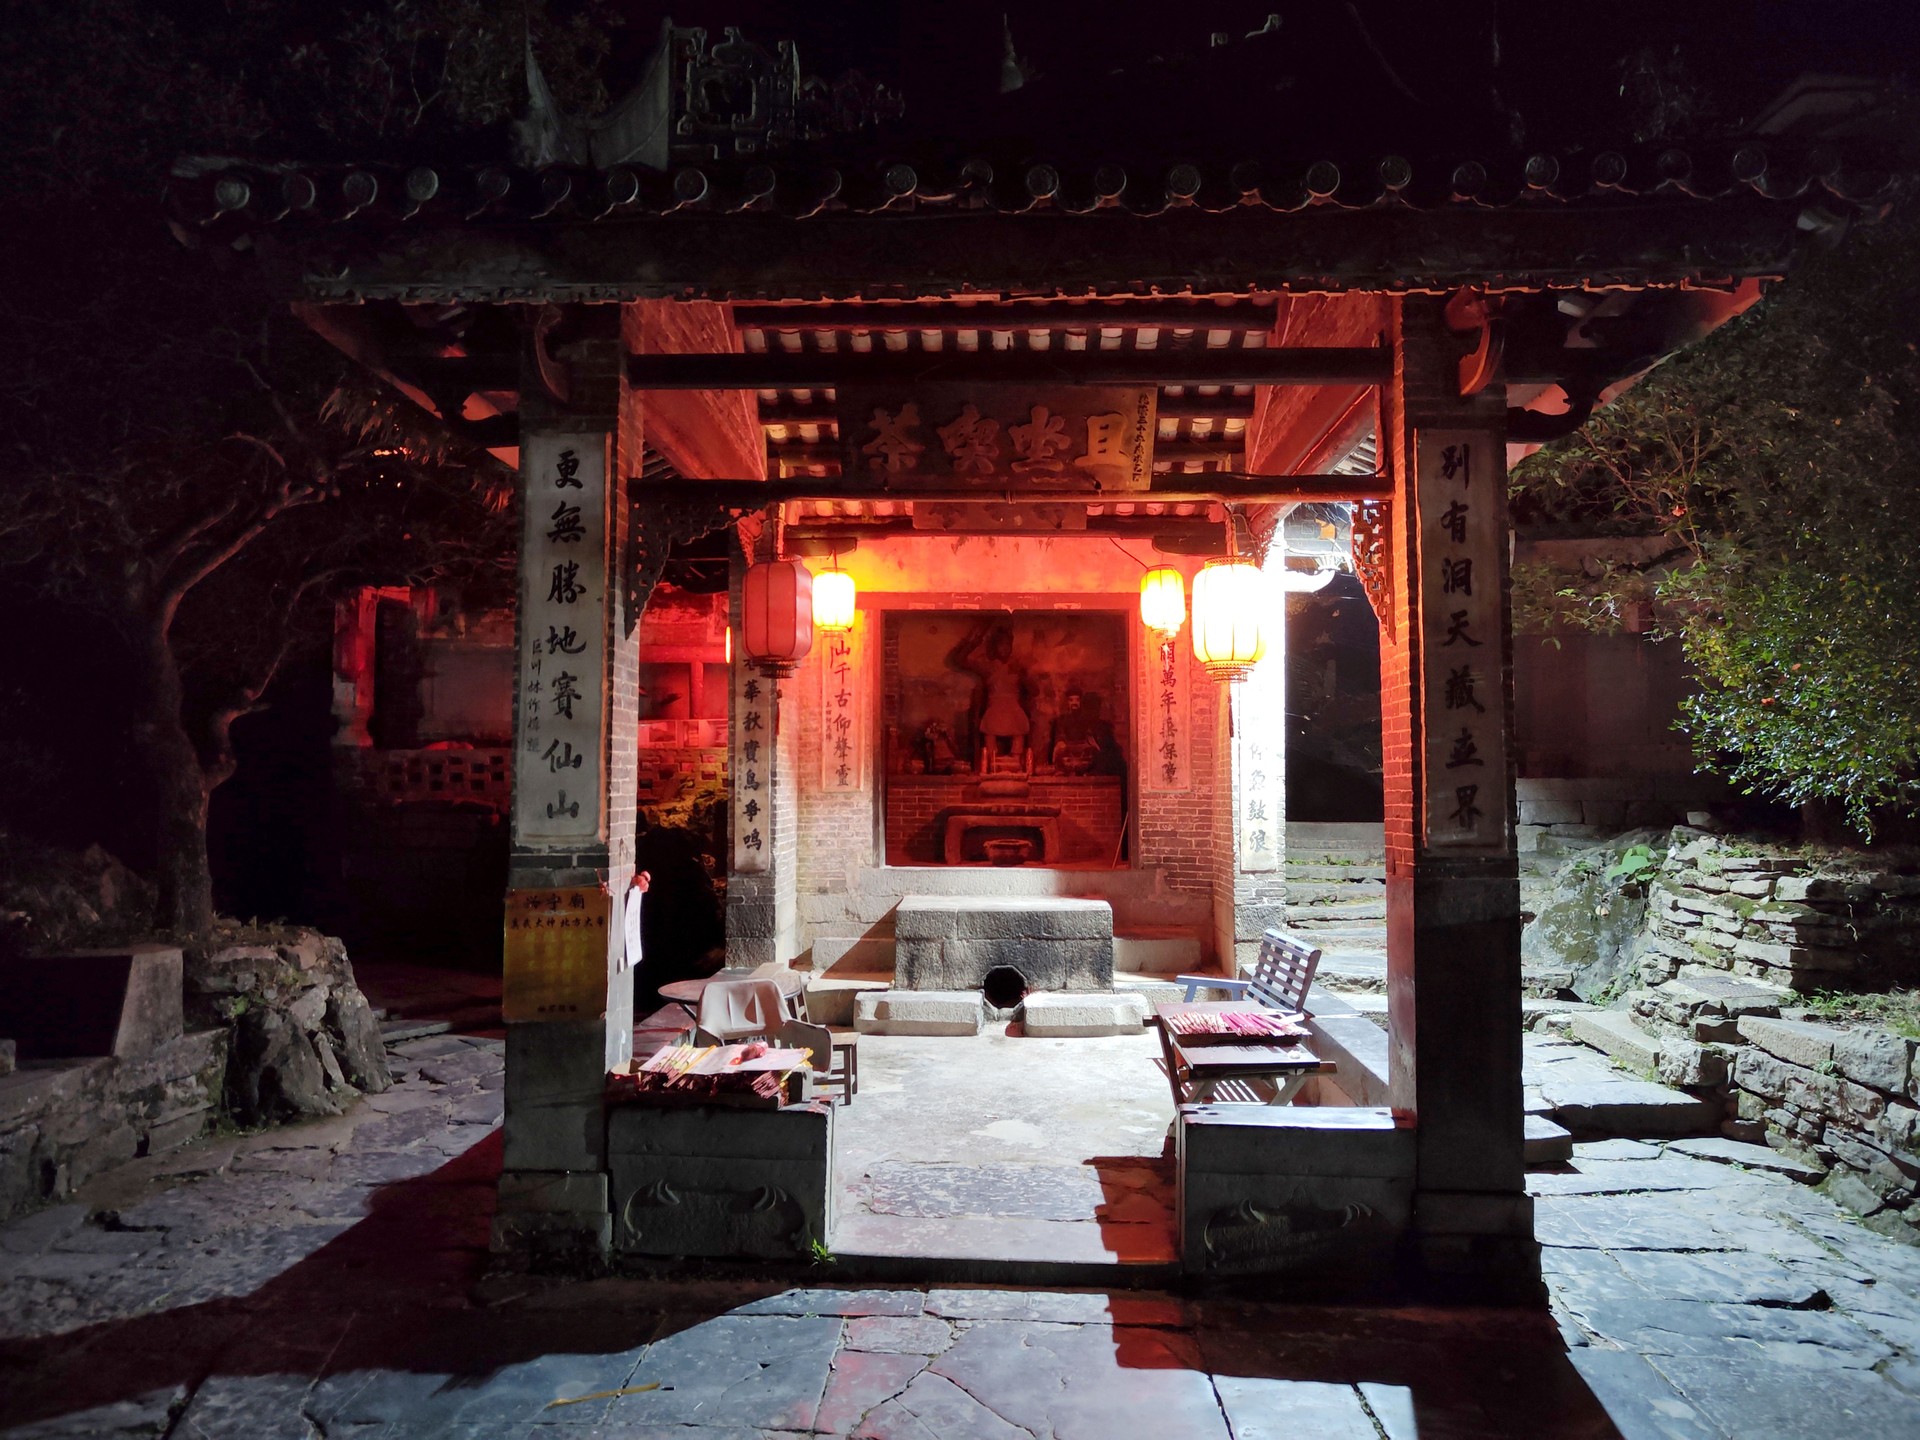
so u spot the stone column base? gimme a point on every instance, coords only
(1476, 1248)
(556, 1218)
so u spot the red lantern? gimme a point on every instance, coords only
(776, 615)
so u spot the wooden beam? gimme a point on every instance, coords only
(1006, 315)
(900, 370)
(1171, 407)
(1165, 452)
(1218, 487)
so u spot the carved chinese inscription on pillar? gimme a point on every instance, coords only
(1259, 739)
(1165, 765)
(842, 734)
(754, 714)
(559, 748)
(1462, 527)
(1060, 438)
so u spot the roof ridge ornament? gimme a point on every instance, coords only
(695, 102)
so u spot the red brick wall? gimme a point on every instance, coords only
(1089, 824)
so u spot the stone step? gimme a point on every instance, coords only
(1156, 951)
(1155, 989)
(1071, 1014)
(1546, 1143)
(831, 997)
(1337, 914)
(1365, 973)
(1313, 893)
(919, 1012)
(1585, 1093)
(1329, 871)
(861, 953)
(1614, 1034)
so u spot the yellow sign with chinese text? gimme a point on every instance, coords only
(1001, 438)
(556, 954)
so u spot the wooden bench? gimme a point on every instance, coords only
(1280, 979)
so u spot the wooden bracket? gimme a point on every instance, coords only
(1373, 558)
(1470, 312)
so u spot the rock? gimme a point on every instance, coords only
(1686, 1064)
(8, 1057)
(1846, 1188)
(357, 1040)
(309, 1009)
(1874, 1057)
(275, 1071)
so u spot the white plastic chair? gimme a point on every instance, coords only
(732, 1010)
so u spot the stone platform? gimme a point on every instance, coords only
(951, 942)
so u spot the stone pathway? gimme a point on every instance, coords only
(329, 1280)
(1008, 1147)
(1705, 1299)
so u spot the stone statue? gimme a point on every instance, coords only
(1003, 723)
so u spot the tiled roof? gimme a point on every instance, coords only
(228, 195)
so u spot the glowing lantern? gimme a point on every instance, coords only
(1163, 600)
(1231, 597)
(776, 615)
(833, 599)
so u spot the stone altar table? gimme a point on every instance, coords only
(951, 942)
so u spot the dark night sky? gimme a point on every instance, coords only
(1558, 63)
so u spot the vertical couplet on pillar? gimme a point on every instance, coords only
(559, 752)
(1453, 921)
(1462, 532)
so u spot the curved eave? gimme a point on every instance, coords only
(1628, 243)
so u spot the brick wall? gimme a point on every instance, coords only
(1091, 815)
(1171, 875)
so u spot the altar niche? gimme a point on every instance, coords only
(1007, 737)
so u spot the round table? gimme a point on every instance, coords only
(688, 992)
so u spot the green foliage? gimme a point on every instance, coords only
(1898, 1009)
(1633, 866)
(1774, 466)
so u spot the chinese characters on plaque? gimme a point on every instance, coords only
(556, 954)
(1462, 527)
(754, 709)
(842, 747)
(558, 789)
(1259, 730)
(996, 437)
(1164, 765)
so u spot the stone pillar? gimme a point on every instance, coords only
(762, 769)
(575, 714)
(1453, 905)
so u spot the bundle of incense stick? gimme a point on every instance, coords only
(1237, 1022)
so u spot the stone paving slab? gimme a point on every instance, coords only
(1690, 1297)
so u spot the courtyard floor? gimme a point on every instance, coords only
(331, 1280)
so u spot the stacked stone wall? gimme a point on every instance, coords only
(1799, 921)
(1733, 929)
(62, 1124)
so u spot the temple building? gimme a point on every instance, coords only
(930, 507)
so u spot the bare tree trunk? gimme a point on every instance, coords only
(180, 790)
